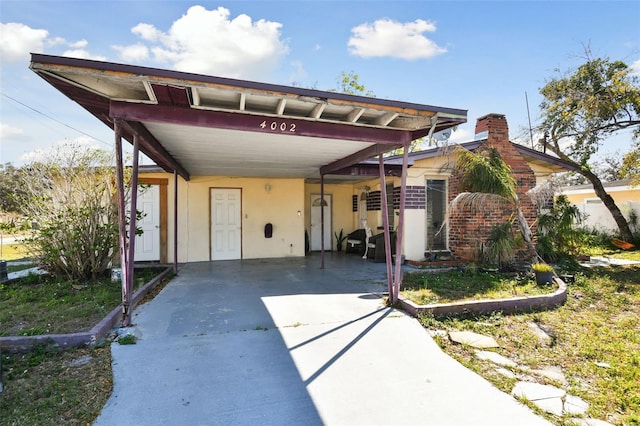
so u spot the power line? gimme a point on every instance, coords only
(54, 119)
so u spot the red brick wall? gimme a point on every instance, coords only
(468, 230)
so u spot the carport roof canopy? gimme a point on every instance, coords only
(202, 125)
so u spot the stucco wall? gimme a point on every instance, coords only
(279, 205)
(598, 216)
(342, 215)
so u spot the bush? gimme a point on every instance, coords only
(71, 196)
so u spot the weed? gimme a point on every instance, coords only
(127, 339)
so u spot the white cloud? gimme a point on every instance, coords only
(386, 37)
(83, 54)
(10, 132)
(209, 41)
(133, 53)
(146, 32)
(18, 40)
(635, 68)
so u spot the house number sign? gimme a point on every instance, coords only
(278, 126)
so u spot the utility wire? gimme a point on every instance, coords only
(54, 119)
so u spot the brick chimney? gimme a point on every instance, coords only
(468, 229)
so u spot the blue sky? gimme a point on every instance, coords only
(476, 55)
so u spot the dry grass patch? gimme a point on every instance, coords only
(594, 338)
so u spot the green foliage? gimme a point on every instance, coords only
(349, 83)
(127, 339)
(340, 238)
(70, 194)
(630, 168)
(558, 235)
(502, 245)
(486, 174)
(541, 267)
(10, 189)
(597, 99)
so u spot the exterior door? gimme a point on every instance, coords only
(226, 223)
(147, 246)
(316, 228)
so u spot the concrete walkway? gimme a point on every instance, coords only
(278, 342)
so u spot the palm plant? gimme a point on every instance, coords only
(485, 180)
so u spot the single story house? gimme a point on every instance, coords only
(251, 170)
(597, 216)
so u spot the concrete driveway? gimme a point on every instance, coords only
(281, 341)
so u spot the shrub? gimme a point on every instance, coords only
(71, 196)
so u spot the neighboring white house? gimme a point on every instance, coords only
(598, 217)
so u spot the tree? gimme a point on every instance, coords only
(581, 109)
(10, 189)
(630, 168)
(349, 83)
(70, 195)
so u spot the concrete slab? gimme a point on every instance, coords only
(283, 342)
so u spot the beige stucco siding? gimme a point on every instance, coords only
(342, 214)
(279, 206)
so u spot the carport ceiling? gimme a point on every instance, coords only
(203, 125)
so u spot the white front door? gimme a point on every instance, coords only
(316, 206)
(226, 224)
(147, 246)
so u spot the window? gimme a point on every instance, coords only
(436, 210)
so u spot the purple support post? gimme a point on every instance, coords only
(175, 222)
(132, 218)
(321, 221)
(385, 224)
(126, 296)
(403, 190)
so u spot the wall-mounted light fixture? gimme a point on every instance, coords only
(267, 188)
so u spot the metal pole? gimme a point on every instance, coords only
(132, 219)
(175, 222)
(126, 320)
(403, 192)
(321, 221)
(385, 223)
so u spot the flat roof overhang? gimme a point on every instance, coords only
(195, 124)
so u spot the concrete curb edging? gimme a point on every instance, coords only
(511, 305)
(19, 344)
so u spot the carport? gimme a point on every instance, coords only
(192, 125)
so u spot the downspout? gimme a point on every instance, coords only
(385, 224)
(321, 221)
(400, 232)
(126, 296)
(175, 222)
(132, 219)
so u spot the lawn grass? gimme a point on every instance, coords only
(595, 341)
(39, 304)
(55, 387)
(426, 288)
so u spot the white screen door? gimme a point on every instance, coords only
(316, 203)
(226, 224)
(147, 246)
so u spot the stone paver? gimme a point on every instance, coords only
(495, 358)
(473, 339)
(550, 398)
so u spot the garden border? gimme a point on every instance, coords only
(20, 344)
(488, 306)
